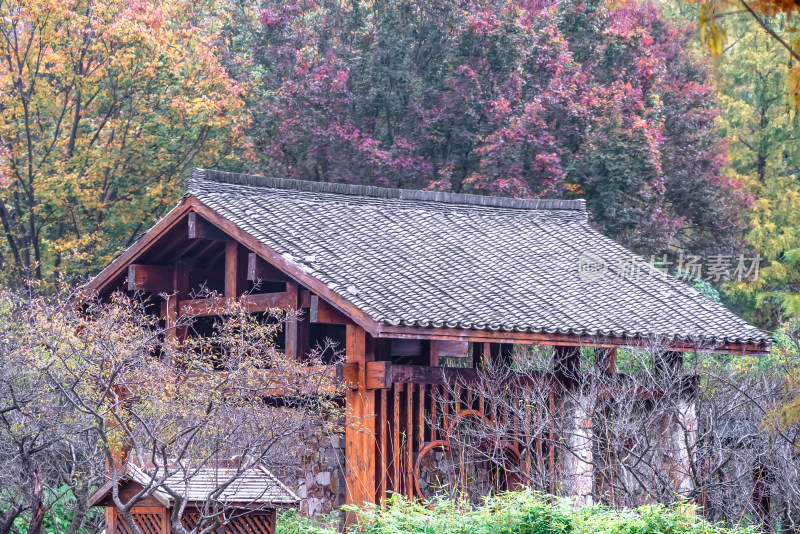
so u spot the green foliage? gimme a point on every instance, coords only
(60, 514)
(765, 156)
(707, 289)
(523, 512)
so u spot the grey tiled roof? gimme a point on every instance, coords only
(252, 486)
(474, 262)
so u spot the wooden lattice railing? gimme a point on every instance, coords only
(417, 425)
(155, 520)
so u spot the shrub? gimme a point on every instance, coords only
(523, 512)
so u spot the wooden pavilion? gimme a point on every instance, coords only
(401, 278)
(248, 505)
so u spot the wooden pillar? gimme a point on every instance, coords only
(668, 363)
(231, 268)
(606, 360)
(567, 364)
(434, 353)
(180, 290)
(297, 328)
(360, 446)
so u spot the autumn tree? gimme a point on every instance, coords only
(112, 374)
(506, 98)
(103, 106)
(48, 459)
(763, 154)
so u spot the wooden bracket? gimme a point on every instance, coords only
(379, 375)
(151, 278)
(199, 228)
(219, 306)
(260, 270)
(322, 312)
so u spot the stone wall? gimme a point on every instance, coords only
(321, 483)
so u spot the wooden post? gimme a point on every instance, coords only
(552, 439)
(180, 290)
(434, 353)
(567, 364)
(384, 464)
(293, 341)
(606, 360)
(231, 268)
(360, 425)
(669, 363)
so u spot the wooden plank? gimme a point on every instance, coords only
(360, 426)
(200, 228)
(322, 312)
(305, 300)
(379, 375)
(220, 305)
(180, 289)
(259, 270)
(119, 266)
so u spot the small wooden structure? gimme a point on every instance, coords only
(248, 504)
(404, 279)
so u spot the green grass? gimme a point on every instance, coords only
(513, 513)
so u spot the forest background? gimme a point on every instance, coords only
(680, 154)
(677, 122)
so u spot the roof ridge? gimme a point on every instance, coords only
(382, 192)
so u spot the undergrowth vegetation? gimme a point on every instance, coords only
(523, 512)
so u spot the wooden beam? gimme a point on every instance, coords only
(360, 444)
(322, 312)
(200, 228)
(380, 375)
(259, 270)
(150, 278)
(220, 305)
(535, 338)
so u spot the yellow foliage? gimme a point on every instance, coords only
(105, 105)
